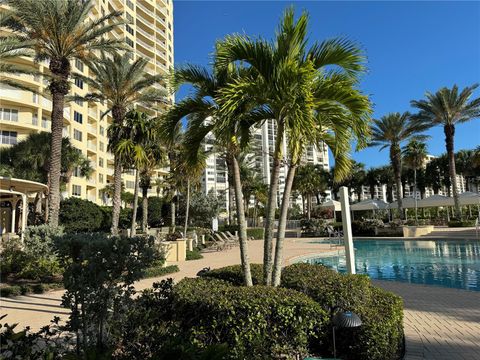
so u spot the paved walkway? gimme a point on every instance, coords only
(440, 323)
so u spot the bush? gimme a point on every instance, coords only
(124, 221)
(234, 274)
(12, 257)
(252, 233)
(38, 240)
(459, 223)
(366, 227)
(313, 227)
(381, 335)
(195, 254)
(255, 322)
(157, 271)
(43, 269)
(78, 215)
(10, 291)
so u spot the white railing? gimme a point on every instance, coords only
(91, 129)
(163, 10)
(46, 103)
(141, 31)
(67, 114)
(109, 171)
(161, 20)
(162, 54)
(7, 91)
(65, 132)
(92, 181)
(144, 8)
(92, 198)
(92, 112)
(149, 47)
(91, 145)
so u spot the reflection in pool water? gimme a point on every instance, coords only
(453, 263)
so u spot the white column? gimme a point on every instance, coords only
(14, 215)
(24, 214)
(347, 230)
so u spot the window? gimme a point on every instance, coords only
(130, 184)
(77, 172)
(102, 131)
(129, 29)
(76, 190)
(77, 135)
(78, 101)
(101, 146)
(129, 4)
(79, 83)
(78, 117)
(129, 17)
(100, 178)
(35, 119)
(45, 123)
(169, 25)
(129, 42)
(9, 114)
(100, 162)
(78, 64)
(8, 137)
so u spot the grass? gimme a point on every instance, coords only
(194, 254)
(157, 271)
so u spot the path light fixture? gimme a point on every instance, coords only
(343, 319)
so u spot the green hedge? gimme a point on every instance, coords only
(195, 254)
(464, 223)
(255, 322)
(157, 271)
(78, 215)
(381, 335)
(24, 289)
(255, 233)
(233, 274)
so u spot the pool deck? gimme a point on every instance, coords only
(440, 323)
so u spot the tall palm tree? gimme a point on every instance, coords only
(59, 31)
(391, 131)
(387, 178)
(414, 156)
(123, 84)
(201, 110)
(280, 81)
(372, 177)
(309, 181)
(448, 108)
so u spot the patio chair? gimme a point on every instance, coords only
(220, 239)
(218, 244)
(228, 240)
(231, 238)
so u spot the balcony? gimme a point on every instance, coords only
(92, 129)
(145, 33)
(92, 113)
(91, 146)
(145, 45)
(146, 10)
(92, 198)
(162, 54)
(109, 171)
(92, 181)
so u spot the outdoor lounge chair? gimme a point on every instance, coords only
(334, 236)
(231, 238)
(230, 241)
(222, 240)
(218, 244)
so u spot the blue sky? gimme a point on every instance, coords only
(412, 47)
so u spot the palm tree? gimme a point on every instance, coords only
(448, 108)
(372, 177)
(201, 110)
(281, 77)
(59, 31)
(309, 181)
(390, 131)
(414, 156)
(123, 84)
(387, 178)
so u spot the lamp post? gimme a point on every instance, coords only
(344, 319)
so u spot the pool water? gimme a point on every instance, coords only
(452, 263)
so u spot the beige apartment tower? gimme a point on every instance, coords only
(149, 34)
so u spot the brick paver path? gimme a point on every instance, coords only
(440, 323)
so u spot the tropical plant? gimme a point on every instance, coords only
(201, 109)
(59, 31)
(123, 84)
(390, 131)
(310, 180)
(448, 108)
(30, 159)
(387, 178)
(414, 155)
(372, 178)
(282, 79)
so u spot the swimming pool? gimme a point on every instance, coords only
(452, 263)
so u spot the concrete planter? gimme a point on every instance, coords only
(175, 250)
(417, 231)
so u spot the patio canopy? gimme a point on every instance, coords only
(370, 204)
(469, 198)
(332, 204)
(436, 200)
(407, 203)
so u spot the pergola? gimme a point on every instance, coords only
(13, 193)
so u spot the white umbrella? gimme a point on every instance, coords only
(469, 198)
(370, 204)
(436, 200)
(332, 204)
(407, 203)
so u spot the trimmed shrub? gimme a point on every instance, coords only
(124, 221)
(381, 335)
(38, 240)
(255, 233)
(10, 291)
(78, 215)
(255, 322)
(195, 254)
(464, 223)
(157, 271)
(234, 275)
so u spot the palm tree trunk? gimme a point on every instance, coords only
(270, 209)
(133, 228)
(144, 209)
(231, 190)
(58, 101)
(242, 224)
(282, 223)
(187, 208)
(172, 211)
(117, 193)
(395, 158)
(303, 205)
(449, 139)
(309, 207)
(415, 194)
